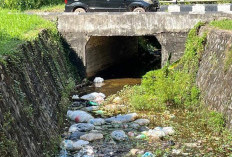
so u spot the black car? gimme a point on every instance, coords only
(111, 5)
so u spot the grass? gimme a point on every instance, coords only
(17, 28)
(225, 24)
(222, 24)
(228, 60)
(49, 8)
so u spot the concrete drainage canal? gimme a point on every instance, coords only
(93, 130)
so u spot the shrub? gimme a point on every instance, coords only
(173, 86)
(144, 101)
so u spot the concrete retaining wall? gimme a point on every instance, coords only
(215, 73)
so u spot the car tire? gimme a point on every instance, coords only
(139, 10)
(80, 10)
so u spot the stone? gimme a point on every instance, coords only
(70, 145)
(67, 144)
(124, 126)
(176, 151)
(95, 131)
(131, 134)
(113, 107)
(142, 121)
(154, 133)
(119, 135)
(65, 134)
(122, 118)
(134, 125)
(191, 145)
(168, 130)
(75, 97)
(98, 128)
(134, 151)
(117, 100)
(79, 144)
(143, 128)
(81, 127)
(86, 151)
(76, 135)
(91, 136)
(171, 143)
(97, 121)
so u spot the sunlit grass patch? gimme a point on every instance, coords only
(17, 28)
(222, 24)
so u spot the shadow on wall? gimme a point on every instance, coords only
(79, 68)
(122, 56)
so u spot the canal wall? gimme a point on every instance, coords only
(32, 81)
(215, 72)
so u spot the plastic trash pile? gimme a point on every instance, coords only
(88, 133)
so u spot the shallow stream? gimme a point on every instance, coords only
(110, 86)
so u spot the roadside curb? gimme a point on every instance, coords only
(197, 8)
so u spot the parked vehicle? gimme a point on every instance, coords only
(82, 6)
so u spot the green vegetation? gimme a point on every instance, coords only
(50, 8)
(17, 28)
(169, 97)
(222, 24)
(175, 87)
(228, 60)
(28, 4)
(169, 86)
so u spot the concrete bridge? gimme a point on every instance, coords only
(103, 39)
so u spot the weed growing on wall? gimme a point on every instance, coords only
(228, 59)
(8, 147)
(222, 24)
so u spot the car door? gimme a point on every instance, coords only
(98, 5)
(116, 5)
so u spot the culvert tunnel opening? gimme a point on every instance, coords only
(122, 56)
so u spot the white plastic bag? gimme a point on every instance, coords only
(122, 118)
(96, 97)
(79, 116)
(98, 80)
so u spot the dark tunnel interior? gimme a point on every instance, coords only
(122, 56)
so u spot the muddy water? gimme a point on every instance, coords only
(111, 86)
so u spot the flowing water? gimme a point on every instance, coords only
(110, 86)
